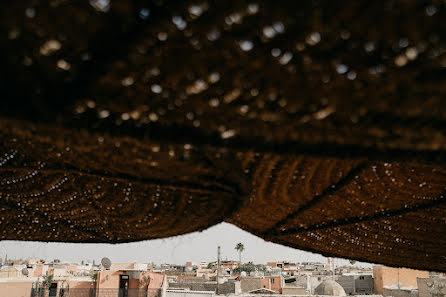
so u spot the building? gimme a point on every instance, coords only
(431, 287)
(251, 283)
(10, 271)
(31, 286)
(348, 283)
(391, 278)
(274, 283)
(230, 287)
(228, 266)
(275, 264)
(295, 286)
(131, 279)
(329, 287)
(16, 288)
(354, 284)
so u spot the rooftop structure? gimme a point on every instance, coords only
(329, 287)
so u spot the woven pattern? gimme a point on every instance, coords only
(315, 124)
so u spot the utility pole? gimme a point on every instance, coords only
(218, 271)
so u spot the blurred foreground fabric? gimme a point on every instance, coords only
(319, 125)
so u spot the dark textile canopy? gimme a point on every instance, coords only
(317, 124)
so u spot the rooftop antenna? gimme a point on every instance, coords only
(106, 263)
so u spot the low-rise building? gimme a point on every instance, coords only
(329, 287)
(391, 278)
(131, 280)
(431, 287)
(274, 283)
(354, 284)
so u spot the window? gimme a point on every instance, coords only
(361, 278)
(272, 280)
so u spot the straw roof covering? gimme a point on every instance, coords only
(319, 125)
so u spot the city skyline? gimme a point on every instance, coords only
(196, 246)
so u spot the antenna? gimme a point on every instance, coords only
(106, 263)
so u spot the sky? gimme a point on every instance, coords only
(195, 247)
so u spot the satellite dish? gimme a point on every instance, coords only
(106, 263)
(25, 272)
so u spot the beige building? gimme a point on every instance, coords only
(10, 271)
(23, 287)
(127, 278)
(396, 278)
(16, 288)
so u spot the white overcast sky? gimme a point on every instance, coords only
(198, 246)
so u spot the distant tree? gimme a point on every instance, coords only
(240, 248)
(94, 276)
(260, 267)
(211, 265)
(248, 268)
(47, 281)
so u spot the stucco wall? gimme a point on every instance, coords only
(293, 291)
(195, 286)
(79, 284)
(225, 288)
(389, 277)
(275, 285)
(15, 289)
(173, 293)
(108, 279)
(7, 271)
(250, 283)
(364, 284)
(156, 280)
(399, 293)
(431, 287)
(348, 283)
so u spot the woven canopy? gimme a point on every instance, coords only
(319, 125)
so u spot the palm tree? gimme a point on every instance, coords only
(240, 248)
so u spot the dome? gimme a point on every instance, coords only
(329, 287)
